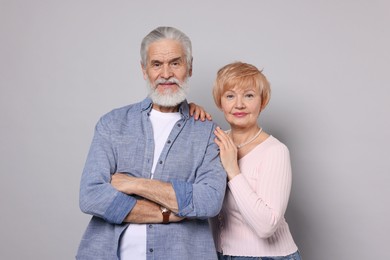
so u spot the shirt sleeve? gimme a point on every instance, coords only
(264, 203)
(203, 199)
(97, 196)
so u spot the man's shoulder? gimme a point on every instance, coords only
(120, 118)
(122, 113)
(200, 126)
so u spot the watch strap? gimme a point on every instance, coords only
(165, 213)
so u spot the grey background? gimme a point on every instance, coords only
(65, 63)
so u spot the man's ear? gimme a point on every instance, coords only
(144, 71)
(190, 69)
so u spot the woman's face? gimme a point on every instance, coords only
(241, 107)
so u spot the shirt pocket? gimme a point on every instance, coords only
(128, 153)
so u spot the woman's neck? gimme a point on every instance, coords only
(242, 135)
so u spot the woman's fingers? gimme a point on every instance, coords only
(223, 139)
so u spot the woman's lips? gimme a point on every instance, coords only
(239, 114)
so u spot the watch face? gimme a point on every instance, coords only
(164, 210)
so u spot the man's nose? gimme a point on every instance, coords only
(166, 71)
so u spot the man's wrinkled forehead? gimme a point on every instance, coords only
(165, 51)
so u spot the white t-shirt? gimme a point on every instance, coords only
(133, 242)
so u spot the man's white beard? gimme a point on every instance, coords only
(168, 98)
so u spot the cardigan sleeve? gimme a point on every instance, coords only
(264, 203)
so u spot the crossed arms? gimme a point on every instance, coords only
(115, 197)
(155, 192)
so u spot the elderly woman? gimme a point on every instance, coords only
(251, 224)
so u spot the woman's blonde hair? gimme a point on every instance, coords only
(243, 76)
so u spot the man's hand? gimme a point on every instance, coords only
(198, 112)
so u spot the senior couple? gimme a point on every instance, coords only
(162, 184)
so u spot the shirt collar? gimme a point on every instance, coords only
(146, 105)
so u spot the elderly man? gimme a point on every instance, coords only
(153, 176)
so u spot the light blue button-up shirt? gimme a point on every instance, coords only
(123, 142)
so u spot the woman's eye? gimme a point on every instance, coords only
(250, 95)
(229, 96)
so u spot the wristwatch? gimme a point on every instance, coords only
(165, 213)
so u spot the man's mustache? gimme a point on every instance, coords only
(163, 81)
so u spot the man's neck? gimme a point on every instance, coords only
(166, 109)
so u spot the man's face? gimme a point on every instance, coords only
(167, 72)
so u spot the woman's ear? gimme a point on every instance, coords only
(264, 103)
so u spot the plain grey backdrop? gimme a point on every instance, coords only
(63, 64)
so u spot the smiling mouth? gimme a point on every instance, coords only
(167, 84)
(239, 114)
(167, 87)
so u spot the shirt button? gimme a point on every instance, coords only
(160, 162)
(151, 250)
(169, 141)
(150, 226)
(178, 125)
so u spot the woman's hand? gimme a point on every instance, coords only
(198, 112)
(227, 152)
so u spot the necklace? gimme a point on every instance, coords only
(250, 140)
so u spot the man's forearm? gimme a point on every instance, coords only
(160, 192)
(143, 212)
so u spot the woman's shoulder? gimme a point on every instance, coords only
(272, 145)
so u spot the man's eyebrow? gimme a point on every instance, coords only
(155, 61)
(176, 59)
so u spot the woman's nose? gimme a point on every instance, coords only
(239, 104)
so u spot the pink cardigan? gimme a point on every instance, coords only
(251, 222)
